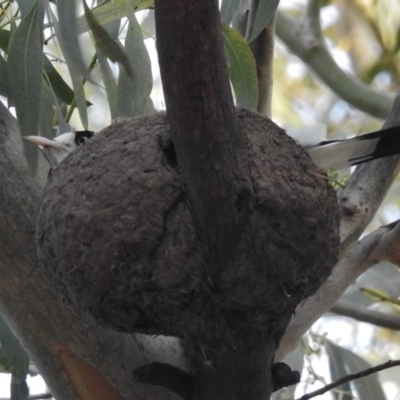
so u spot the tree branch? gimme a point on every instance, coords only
(210, 147)
(362, 314)
(351, 377)
(302, 39)
(372, 249)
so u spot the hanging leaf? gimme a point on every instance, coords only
(117, 9)
(25, 66)
(4, 88)
(337, 370)
(228, 8)
(113, 26)
(148, 25)
(368, 388)
(67, 35)
(47, 114)
(4, 39)
(26, 5)
(61, 89)
(265, 11)
(110, 84)
(109, 47)
(242, 68)
(76, 78)
(134, 93)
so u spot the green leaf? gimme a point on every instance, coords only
(4, 39)
(337, 370)
(367, 388)
(26, 5)
(148, 25)
(110, 84)
(61, 89)
(228, 8)
(67, 35)
(265, 11)
(242, 68)
(25, 65)
(4, 365)
(17, 359)
(111, 27)
(4, 88)
(117, 9)
(109, 47)
(76, 78)
(47, 114)
(134, 93)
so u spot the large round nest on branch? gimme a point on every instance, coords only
(115, 234)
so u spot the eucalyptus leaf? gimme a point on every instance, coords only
(242, 68)
(108, 46)
(80, 99)
(117, 9)
(60, 87)
(113, 26)
(4, 39)
(148, 25)
(76, 78)
(4, 362)
(26, 5)
(265, 11)
(25, 66)
(228, 8)
(67, 35)
(367, 388)
(110, 84)
(4, 88)
(337, 369)
(47, 114)
(134, 93)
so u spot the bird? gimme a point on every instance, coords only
(55, 150)
(335, 154)
(340, 154)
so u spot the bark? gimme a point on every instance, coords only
(211, 149)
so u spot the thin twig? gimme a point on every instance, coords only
(351, 377)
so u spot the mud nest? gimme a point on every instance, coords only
(115, 234)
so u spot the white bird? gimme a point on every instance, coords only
(340, 154)
(335, 154)
(55, 150)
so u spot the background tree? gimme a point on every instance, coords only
(67, 347)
